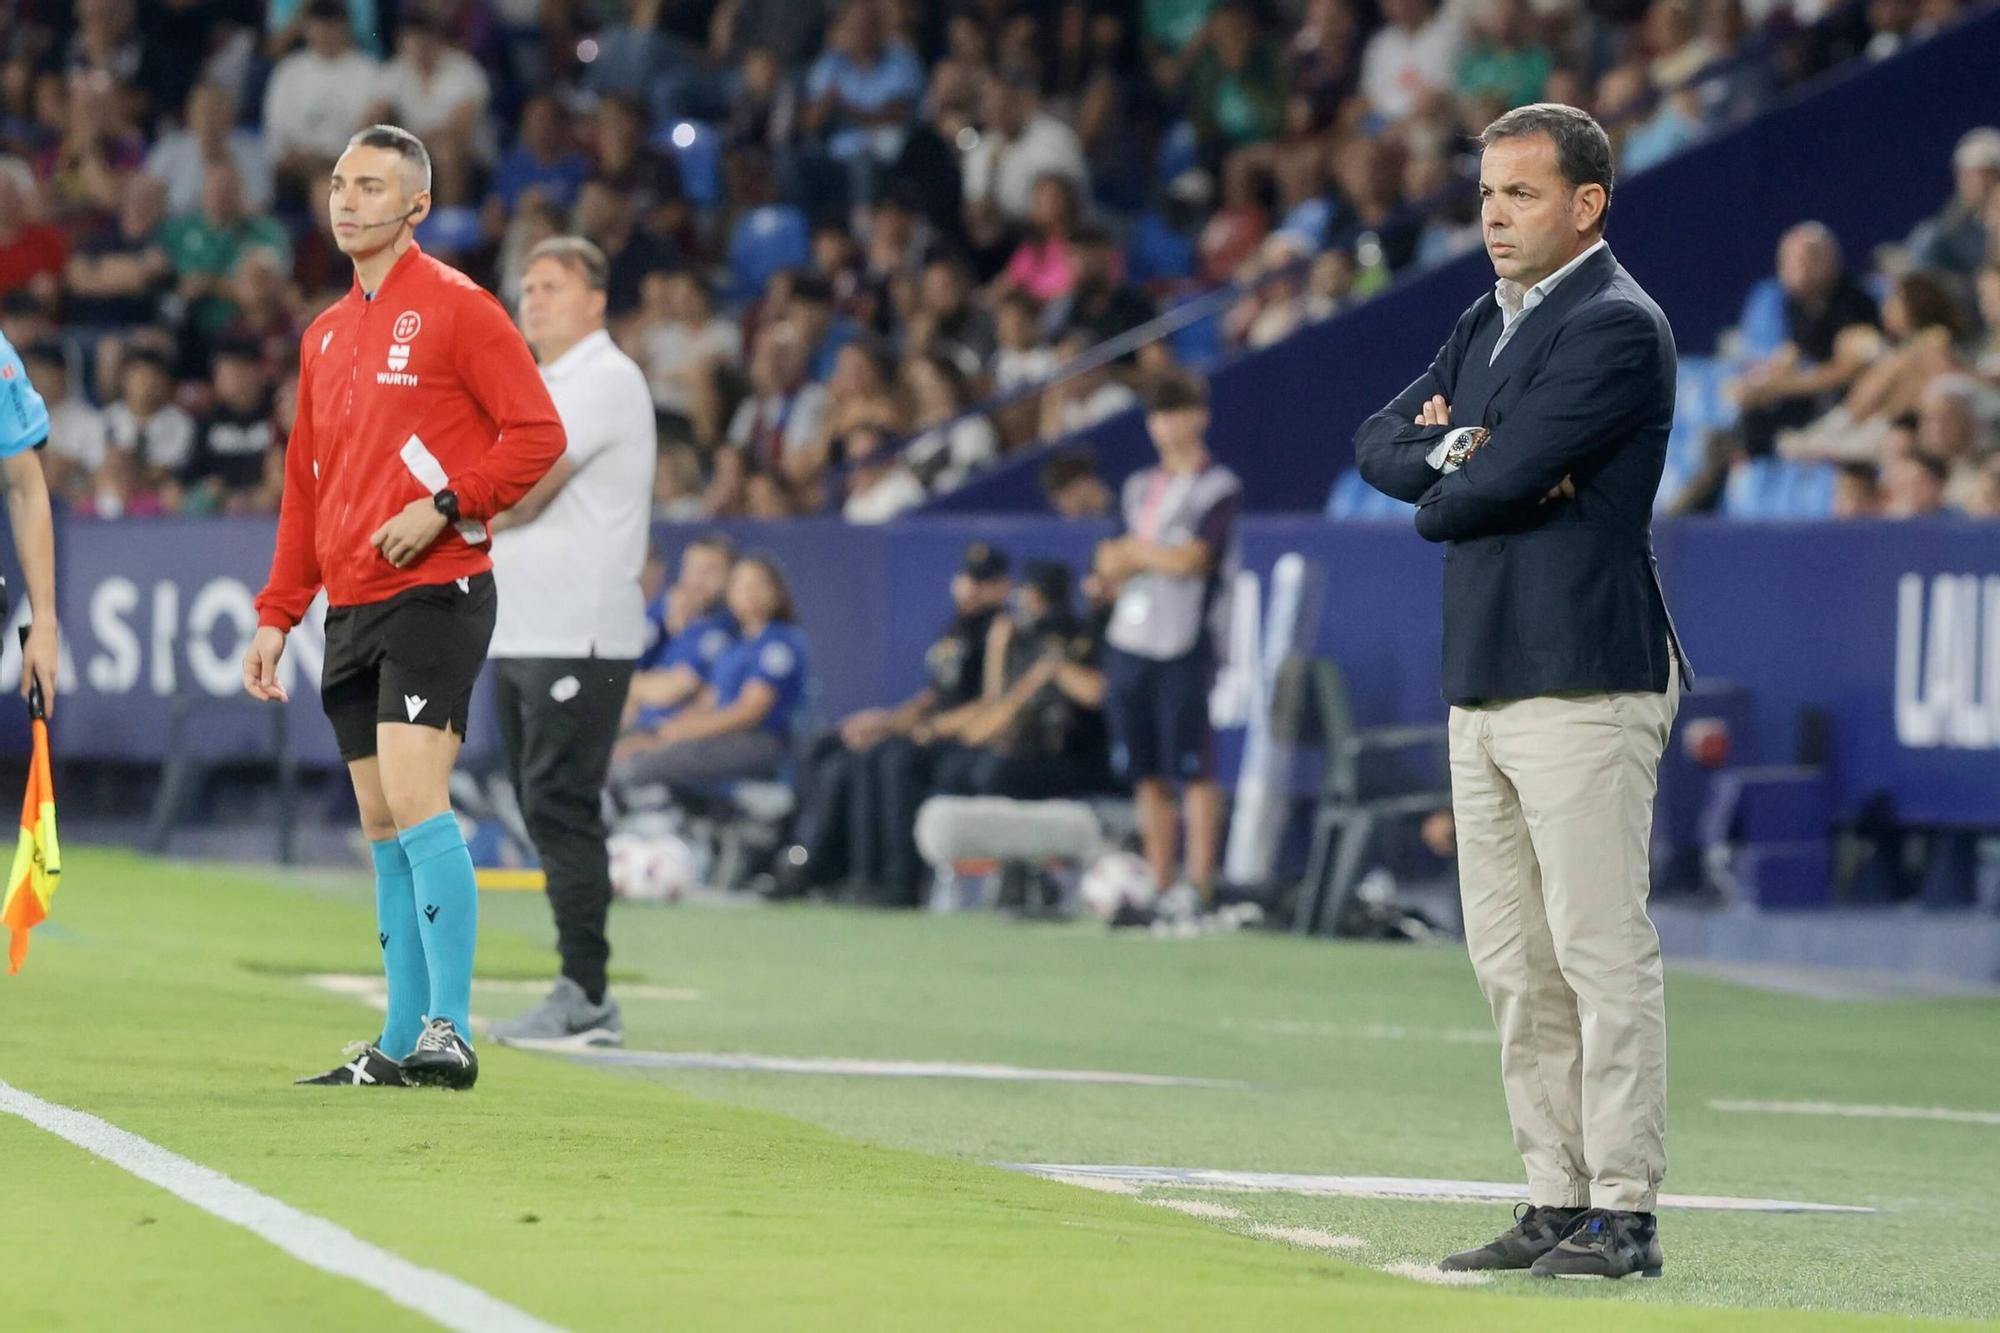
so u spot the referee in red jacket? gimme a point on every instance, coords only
(421, 415)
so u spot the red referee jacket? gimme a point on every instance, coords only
(425, 386)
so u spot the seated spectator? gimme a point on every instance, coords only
(775, 428)
(208, 134)
(1913, 485)
(1954, 240)
(685, 347)
(876, 484)
(648, 176)
(861, 94)
(764, 111)
(435, 91)
(1081, 400)
(1235, 84)
(235, 466)
(689, 629)
(151, 438)
(1675, 123)
(1413, 54)
(1955, 425)
(1099, 299)
(1506, 56)
(543, 159)
(862, 398)
(1072, 486)
(822, 330)
(1042, 265)
(947, 321)
(317, 97)
(77, 435)
(740, 725)
(951, 445)
(845, 830)
(115, 278)
(1020, 356)
(32, 253)
(1020, 146)
(610, 217)
(205, 246)
(83, 173)
(1372, 218)
(1273, 302)
(1801, 374)
(1984, 502)
(1857, 491)
(1921, 329)
(1234, 231)
(1331, 287)
(261, 295)
(677, 485)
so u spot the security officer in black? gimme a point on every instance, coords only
(845, 833)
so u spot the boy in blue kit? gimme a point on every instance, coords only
(691, 627)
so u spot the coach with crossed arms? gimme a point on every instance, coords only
(1532, 448)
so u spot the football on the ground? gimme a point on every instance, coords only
(1117, 880)
(657, 869)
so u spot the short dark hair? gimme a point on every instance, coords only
(326, 11)
(786, 610)
(1177, 391)
(812, 287)
(400, 142)
(1583, 149)
(1939, 469)
(578, 255)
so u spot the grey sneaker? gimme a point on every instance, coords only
(565, 1020)
(1603, 1243)
(1183, 902)
(1535, 1232)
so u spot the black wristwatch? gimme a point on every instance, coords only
(447, 504)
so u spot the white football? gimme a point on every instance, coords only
(651, 870)
(1115, 880)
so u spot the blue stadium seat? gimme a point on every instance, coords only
(1156, 253)
(1177, 152)
(764, 241)
(1311, 219)
(1200, 343)
(698, 150)
(1777, 489)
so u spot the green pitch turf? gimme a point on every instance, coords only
(167, 1000)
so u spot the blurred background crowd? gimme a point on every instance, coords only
(866, 248)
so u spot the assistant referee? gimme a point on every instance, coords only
(568, 560)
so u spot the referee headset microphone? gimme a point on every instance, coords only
(390, 222)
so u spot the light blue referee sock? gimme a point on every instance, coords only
(402, 949)
(447, 909)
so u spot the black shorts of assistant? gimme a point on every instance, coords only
(413, 658)
(1158, 715)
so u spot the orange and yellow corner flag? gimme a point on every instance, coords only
(37, 858)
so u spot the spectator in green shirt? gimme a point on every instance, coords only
(1507, 59)
(204, 246)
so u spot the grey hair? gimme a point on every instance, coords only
(402, 143)
(1583, 149)
(578, 255)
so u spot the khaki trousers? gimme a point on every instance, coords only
(1553, 797)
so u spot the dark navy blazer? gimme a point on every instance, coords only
(1545, 596)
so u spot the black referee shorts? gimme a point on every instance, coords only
(413, 658)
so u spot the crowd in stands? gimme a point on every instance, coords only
(1871, 388)
(834, 226)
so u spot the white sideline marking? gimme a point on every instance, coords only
(439, 1297)
(375, 991)
(1220, 1212)
(791, 1064)
(1382, 1187)
(1099, 1186)
(1862, 1112)
(1310, 1238)
(1296, 1027)
(1432, 1273)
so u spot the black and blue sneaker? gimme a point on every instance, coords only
(1536, 1231)
(366, 1067)
(443, 1059)
(1603, 1243)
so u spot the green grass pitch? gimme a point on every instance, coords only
(169, 1000)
